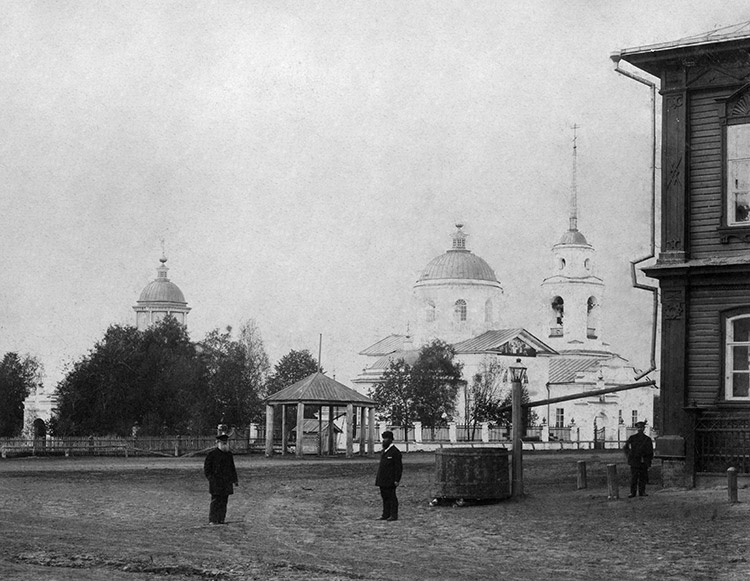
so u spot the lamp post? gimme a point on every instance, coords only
(517, 375)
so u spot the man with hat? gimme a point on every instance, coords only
(389, 476)
(221, 473)
(640, 451)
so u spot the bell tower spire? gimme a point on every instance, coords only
(574, 183)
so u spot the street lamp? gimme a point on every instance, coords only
(517, 376)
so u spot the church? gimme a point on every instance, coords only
(458, 299)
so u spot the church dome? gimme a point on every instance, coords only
(573, 237)
(162, 290)
(458, 263)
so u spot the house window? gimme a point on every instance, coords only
(737, 354)
(560, 418)
(738, 175)
(460, 310)
(633, 417)
(488, 311)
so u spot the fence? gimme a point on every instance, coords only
(722, 441)
(112, 446)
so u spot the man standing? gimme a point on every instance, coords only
(389, 476)
(640, 451)
(221, 473)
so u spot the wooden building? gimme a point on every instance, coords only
(703, 267)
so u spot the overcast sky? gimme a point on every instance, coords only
(303, 161)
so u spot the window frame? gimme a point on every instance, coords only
(460, 311)
(726, 389)
(733, 111)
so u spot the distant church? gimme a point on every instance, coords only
(159, 298)
(459, 300)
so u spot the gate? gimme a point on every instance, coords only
(722, 441)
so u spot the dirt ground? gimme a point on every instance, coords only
(133, 519)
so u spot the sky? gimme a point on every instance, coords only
(300, 163)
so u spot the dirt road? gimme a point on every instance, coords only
(313, 519)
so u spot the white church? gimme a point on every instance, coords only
(459, 300)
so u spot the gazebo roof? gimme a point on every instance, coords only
(321, 389)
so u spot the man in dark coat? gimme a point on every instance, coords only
(389, 476)
(221, 473)
(640, 452)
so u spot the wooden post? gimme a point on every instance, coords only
(613, 490)
(349, 430)
(582, 483)
(371, 432)
(177, 447)
(732, 484)
(362, 438)
(284, 430)
(300, 429)
(269, 430)
(320, 431)
(331, 434)
(517, 483)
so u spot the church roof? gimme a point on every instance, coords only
(318, 388)
(496, 339)
(458, 263)
(573, 237)
(564, 369)
(385, 346)
(162, 290)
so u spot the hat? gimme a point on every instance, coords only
(222, 437)
(640, 424)
(387, 435)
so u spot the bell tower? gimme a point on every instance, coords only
(573, 294)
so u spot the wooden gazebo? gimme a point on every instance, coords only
(321, 391)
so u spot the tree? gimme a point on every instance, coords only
(393, 395)
(291, 368)
(256, 357)
(435, 379)
(484, 396)
(149, 378)
(19, 376)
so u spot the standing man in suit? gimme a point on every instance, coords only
(389, 476)
(640, 452)
(221, 473)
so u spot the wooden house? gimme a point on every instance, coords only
(703, 266)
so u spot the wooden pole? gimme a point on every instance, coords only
(371, 432)
(320, 431)
(331, 449)
(732, 484)
(269, 430)
(349, 430)
(613, 490)
(362, 438)
(284, 436)
(582, 483)
(517, 483)
(300, 429)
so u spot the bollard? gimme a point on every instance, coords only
(582, 483)
(613, 490)
(732, 484)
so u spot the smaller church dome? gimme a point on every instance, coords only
(573, 237)
(162, 290)
(458, 263)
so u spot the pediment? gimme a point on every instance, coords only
(713, 76)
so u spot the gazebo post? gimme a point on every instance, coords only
(284, 437)
(362, 412)
(371, 432)
(331, 449)
(349, 430)
(269, 430)
(300, 428)
(320, 431)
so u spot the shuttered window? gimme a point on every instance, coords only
(737, 376)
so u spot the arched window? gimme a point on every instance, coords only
(429, 311)
(488, 311)
(459, 310)
(558, 312)
(592, 318)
